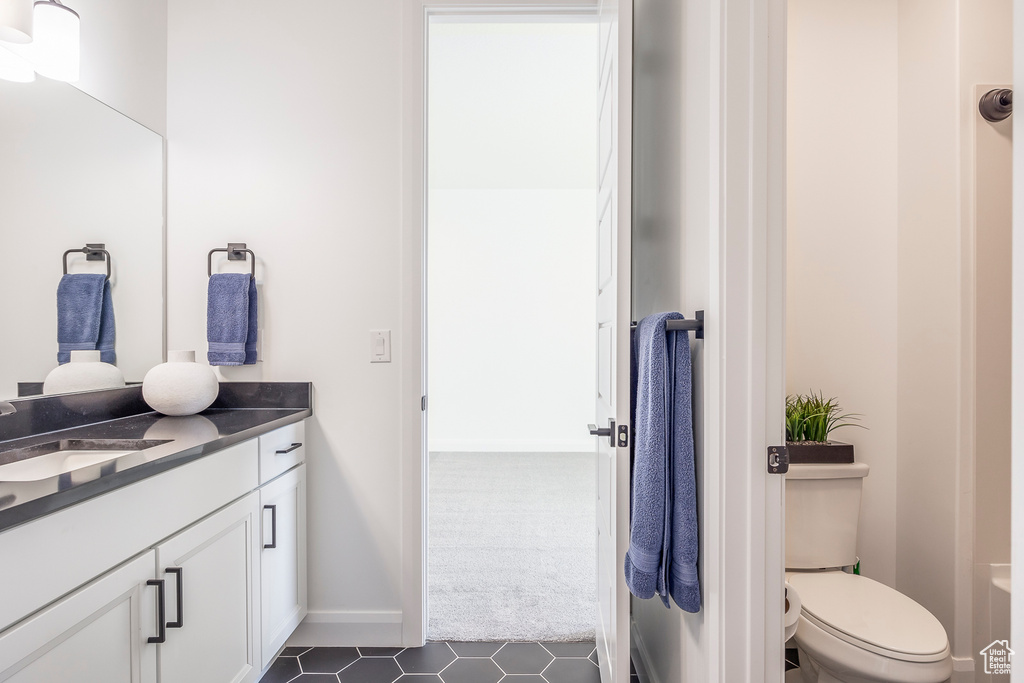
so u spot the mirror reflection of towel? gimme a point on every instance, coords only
(231, 319)
(85, 316)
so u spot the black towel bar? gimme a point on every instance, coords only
(93, 252)
(236, 251)
(695, 325)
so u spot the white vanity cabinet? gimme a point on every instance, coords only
(282, 559)
(98, 633)
(233, 549)
(213, 633)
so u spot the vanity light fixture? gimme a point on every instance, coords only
(55, 46)
(16, 21)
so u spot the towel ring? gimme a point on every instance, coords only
(93, 252)
(236, 251)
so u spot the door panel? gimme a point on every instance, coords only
(96, 635)
(612, 290)
(283, 559)
(219, 563)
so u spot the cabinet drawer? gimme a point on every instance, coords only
(282, 449)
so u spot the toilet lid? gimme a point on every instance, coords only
(862, 611)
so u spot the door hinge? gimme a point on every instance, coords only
(778, 460)
(423, 403)
(623, 431)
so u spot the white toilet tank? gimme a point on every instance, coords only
(822, 511)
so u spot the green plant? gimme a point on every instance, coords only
(811, 417)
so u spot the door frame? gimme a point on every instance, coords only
(1017, 360)
(413, 340)
(745, 322)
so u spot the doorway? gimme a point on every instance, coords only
(919, 348)
(510, 315)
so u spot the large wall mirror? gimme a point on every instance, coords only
(73, 172)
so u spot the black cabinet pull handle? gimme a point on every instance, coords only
(289, 449)
(161, 609)
(273, 526)
(180, 592)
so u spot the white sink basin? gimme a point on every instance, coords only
(62, 457)
(53, 464)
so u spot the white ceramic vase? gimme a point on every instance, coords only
(181, 386)
(85, 372)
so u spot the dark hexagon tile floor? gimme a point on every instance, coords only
(432, 658)
(371, 670)
(523, 658)
(565, 670)
(439, 663)
(327, 660)
(482, 670)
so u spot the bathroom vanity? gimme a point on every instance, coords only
(182, 559)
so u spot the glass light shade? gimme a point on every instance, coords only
(16, 21)
(54, 51)
(15, 67)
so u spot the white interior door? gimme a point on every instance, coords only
(613, 319)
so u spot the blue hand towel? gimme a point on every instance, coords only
(662, 555)
(231, 316)
(85, 316)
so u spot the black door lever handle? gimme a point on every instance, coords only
(608, 431)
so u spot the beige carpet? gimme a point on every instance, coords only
(512, 547)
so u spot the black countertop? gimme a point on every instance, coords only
(242, 412)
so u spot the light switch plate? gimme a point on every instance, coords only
(380, 346)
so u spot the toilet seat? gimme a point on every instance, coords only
(870, 615)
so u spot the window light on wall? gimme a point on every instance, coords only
(38, 38)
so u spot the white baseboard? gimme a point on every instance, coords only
(511, 445)
(963, 670)
(641, 659)
(349, 629)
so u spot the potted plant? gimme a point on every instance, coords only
(810, 419)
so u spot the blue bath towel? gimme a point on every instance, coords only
(231, 316)
(663, 539)
(85, 316)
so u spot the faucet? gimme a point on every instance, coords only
(7, 408)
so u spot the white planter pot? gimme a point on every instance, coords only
(85, 372)
(180, 386)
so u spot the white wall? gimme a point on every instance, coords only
(842, 238)
(511, 210)
(929, 299)
(675, 196)
(284, 131)
(986, 60)
(124, 57)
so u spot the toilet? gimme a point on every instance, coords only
(851, 629)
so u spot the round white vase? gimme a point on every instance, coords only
(181, 386)
(85, 372)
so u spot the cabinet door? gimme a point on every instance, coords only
(217, 563)
(98, 634)
(283, 559)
